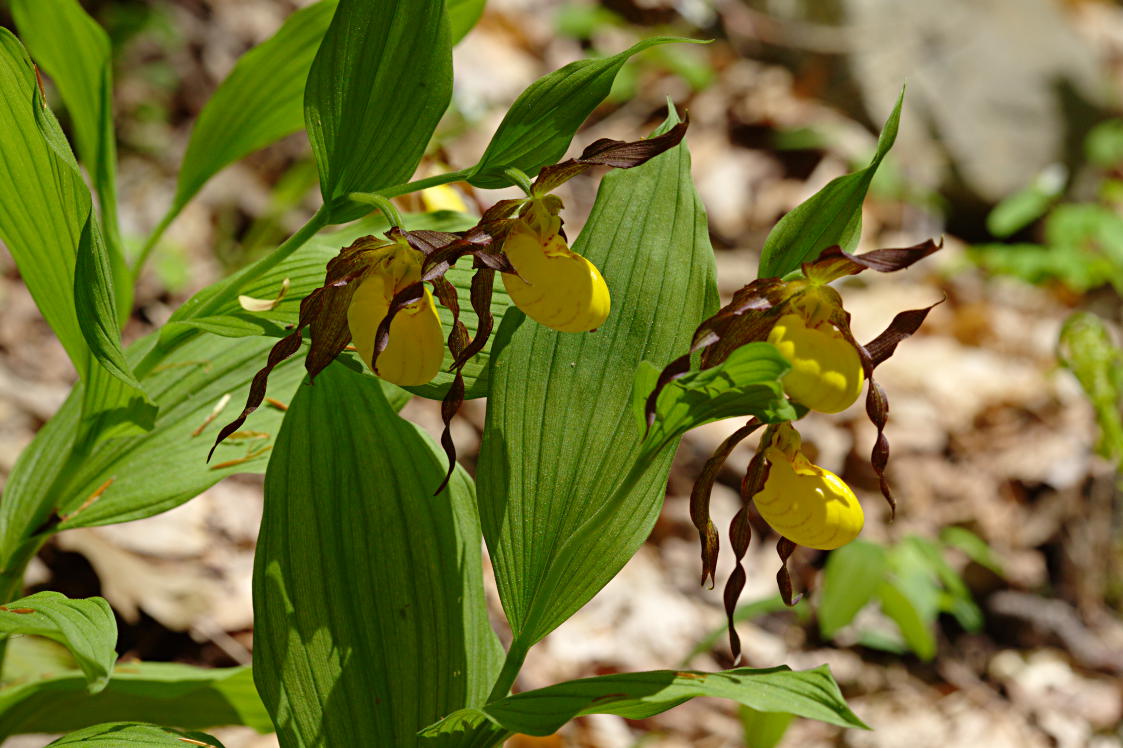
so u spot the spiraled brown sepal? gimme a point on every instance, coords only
(618, 154)
(700, 498)
(784, 549)
(740, 533)
(324, 312)
(833, 263)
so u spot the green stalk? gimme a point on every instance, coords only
(511, 666)
(427, 182)
(151, 242)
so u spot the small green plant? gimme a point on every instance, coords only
(370, 621)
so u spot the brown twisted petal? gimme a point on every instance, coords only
(740, 533)
(700, 498)
(785, 548)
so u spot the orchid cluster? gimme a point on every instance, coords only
(378, 293)
(804, 318)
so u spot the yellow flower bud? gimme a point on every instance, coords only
(826, 373)
(808, 505)
(415, 350)
(555, 286)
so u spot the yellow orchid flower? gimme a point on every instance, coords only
(415, 349)
(826, 373)
(554, 286)
(807, 504)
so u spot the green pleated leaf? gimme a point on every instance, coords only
(541, 123)
(563, 502)
(852, 577)
(259, 102)
(833, 215)
(462, 16)
(806, 693)
(75, 51)
(368, 593)
(380, 82)
(44, 207)
(117, 734)
(745, 384)
(130, 478)
(48, 225)
(41, 690)
(85, 627)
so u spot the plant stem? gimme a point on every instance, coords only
(151, 242)
(421, 184)
(519, 177)
(382, 203)
(511, 666)
(11, 578)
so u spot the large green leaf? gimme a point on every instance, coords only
(807, 693)
(462, 16)
(44, 207)
(833, 215)
(378, 86)
(259, 102)
(75, 51)
(563, 502)
(745, 384)
(85, 627)
(41, 690)
(540, 124)
(117, 734)
(48, 225)
(130, 478)
(852, 577)
(368, 593)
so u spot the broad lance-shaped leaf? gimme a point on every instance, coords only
(833, 215)
(380, 82)
(745, 384)
(806, 693)
(259, 102)
(135, 477)
(118, 734)
(47, 223)
(541, 123)
(75, 51)
(40, 219)
(559, 515)
(85, 627)
(42, 690)
(392, 633)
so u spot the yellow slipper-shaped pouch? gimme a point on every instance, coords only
(826, 373)
(808, 505)
(415, 350)
(555, 286)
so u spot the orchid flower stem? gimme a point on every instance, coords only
(421, 184)
(511, 667)
(519, 177)
(393, 217)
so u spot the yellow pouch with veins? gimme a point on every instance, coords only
(555, 286)
(807, 504)
(826, 373)
(415, 350)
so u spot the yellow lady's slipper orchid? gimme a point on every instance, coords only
(416, 347)
(807, 504)
(826, 373)
(555, 286)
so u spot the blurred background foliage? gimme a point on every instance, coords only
(988, 613)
